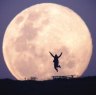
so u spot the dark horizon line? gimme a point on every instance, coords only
(55, 78)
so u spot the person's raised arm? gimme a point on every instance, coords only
(51, 54)
(60, 55)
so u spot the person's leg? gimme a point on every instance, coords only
(56, 69)
(59, 66)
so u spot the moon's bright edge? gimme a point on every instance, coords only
(42, 28)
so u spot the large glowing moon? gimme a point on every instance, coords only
(42, 28)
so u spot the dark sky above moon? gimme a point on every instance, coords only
(85, 8)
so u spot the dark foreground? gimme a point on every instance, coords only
(59, 86)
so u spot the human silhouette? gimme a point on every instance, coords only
(56, 61)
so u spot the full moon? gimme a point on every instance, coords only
(44, 28)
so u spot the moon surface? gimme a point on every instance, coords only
(42, 28)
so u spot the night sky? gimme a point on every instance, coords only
(85, 8)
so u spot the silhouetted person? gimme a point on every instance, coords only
(56, 61)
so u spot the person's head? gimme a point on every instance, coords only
(56, 55)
